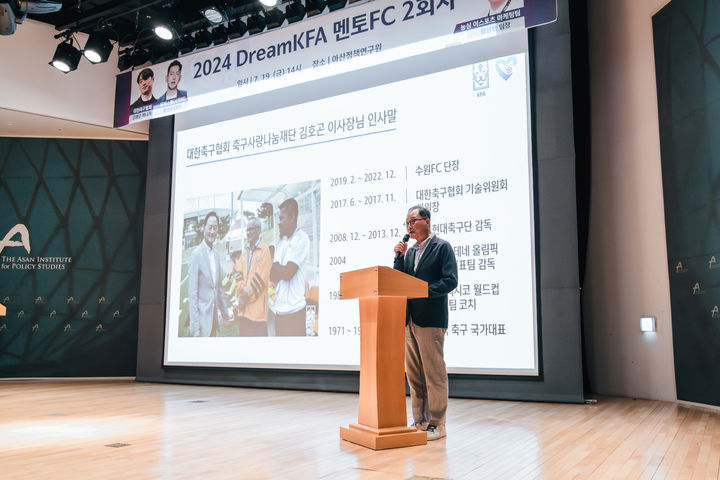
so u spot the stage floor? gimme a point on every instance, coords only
(120, 429)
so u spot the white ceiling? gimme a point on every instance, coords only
(14, 123)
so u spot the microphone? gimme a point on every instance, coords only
(405, 239)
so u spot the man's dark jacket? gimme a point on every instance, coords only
(439, 269)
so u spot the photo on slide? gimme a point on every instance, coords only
(250, 263)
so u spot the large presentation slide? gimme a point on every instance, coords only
(269, 209)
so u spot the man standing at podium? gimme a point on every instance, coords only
(430, 259)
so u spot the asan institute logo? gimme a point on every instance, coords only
(27, 262)
(24, 238)
(713, 263)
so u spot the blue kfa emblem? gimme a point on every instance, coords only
(481, 76)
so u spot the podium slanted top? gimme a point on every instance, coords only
(377, 281)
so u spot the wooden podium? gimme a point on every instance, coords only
(382, 417)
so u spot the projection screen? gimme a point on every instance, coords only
(445, 126)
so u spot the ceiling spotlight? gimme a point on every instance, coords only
(163, 23)
(187, 44)
(295, 11)
(256, 23)
(219, 35)
(124, 60)
(274, 18)
(164, 32)
(66, 57)
(140, 56)
(269, 3)
(98, 47)
(214, 14)
(236, 29)
(203, 39)
(315, 7)
(165, 50)
(336, 4)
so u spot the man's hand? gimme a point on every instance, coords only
(401, 247)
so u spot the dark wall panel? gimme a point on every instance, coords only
(72, 299)
(687, 58)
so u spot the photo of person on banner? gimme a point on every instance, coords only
(145, 80)
(173, 77)
(251, 270)
(500, 6)
(205, 294)
(288, 274)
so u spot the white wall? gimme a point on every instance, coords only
(28, 84)
(627, 272)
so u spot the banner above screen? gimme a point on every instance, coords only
(345, 40)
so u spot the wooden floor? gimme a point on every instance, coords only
(127, 430)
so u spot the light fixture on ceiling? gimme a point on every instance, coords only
(164, 32)
(295, 11)
(66, 56)
(164, 50)
(163, 22)
(236, 29)
(336, 4)
(274, 18)
(315, 7)
(187, 44)
(219, 35)
(214, 14)
(124, 59)
(98, 47)
(269, 3)
(256, 23)
(140, 56)
(203, 39)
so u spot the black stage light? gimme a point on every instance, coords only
(295, 11)
(124, 60)
(163, 22)
(255, 23)
(164, 50)
(66, 57)
(315, 7)
(140, 56)
(219, 35)
(336, 4)
(203, 39)
(187, 44)
(98, 47)
(215, 14)
(236, 29)
(274, 18)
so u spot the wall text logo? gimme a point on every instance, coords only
(24, 238)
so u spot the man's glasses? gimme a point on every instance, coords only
(412, 222)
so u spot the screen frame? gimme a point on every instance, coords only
(455, 56)
(554, 160)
